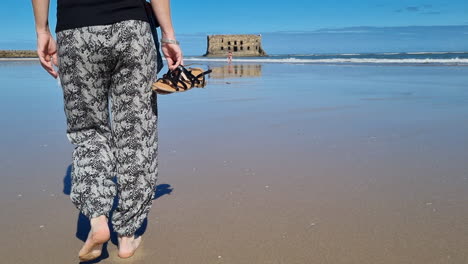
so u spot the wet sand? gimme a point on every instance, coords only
(302, 164)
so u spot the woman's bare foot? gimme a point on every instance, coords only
(98, 235)
(128, 246)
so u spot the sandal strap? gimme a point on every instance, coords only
(203, 73)
(170, 78)
(193, 80)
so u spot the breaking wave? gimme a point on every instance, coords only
(447, 61)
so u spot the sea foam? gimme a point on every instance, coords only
(451, 61)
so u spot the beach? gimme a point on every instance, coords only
(290, 163)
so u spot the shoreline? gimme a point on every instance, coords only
(19, 59)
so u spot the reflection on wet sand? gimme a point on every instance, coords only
(236, 71)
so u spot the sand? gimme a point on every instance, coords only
(294, 164)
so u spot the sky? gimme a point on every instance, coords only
(193, 19)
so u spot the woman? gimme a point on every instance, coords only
(105, 50)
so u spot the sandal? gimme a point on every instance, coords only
(180, 80)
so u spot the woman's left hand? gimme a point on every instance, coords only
(173, 55)
(47, 52)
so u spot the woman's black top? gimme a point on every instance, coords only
(82, 13)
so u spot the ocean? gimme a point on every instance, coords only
(404, 58)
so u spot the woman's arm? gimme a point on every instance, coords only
(172, 52)
(46, 46)
(41, 14)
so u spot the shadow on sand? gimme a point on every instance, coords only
(83, 225)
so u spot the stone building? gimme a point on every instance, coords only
(239, 45)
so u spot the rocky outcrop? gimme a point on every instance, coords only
(239, 45)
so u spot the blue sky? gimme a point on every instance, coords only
(200, 18)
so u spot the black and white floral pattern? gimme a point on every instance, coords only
(116, 62)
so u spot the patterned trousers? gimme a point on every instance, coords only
(106, 73)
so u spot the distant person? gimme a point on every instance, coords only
(229, 57)
(106, 51)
